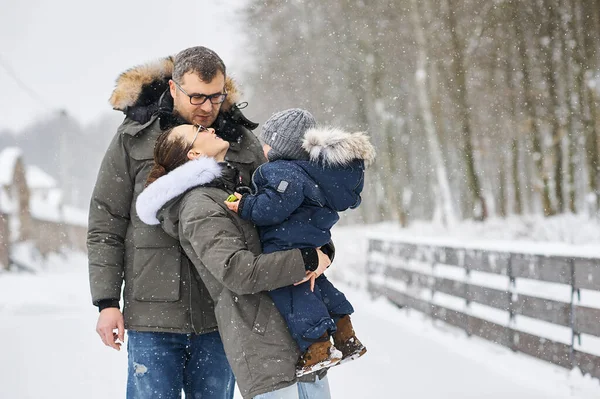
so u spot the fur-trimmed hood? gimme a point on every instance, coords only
(336, 147)
(144, 84)
(191, 174)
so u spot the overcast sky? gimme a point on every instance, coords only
(70, 52)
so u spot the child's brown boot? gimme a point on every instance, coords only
(318, 356)
(345, 340)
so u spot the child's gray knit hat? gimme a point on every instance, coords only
(284, 132)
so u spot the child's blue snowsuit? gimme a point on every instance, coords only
(294, 205)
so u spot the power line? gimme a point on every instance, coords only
(32, 93)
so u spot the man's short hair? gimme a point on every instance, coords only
(200, 60)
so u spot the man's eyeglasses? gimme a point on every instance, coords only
(200, 129)
(199, 99)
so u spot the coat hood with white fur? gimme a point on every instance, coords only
(336, 147)
(144, 84)
(194, 173)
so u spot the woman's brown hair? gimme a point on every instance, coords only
(169, 153)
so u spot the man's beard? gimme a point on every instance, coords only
(210, 117)
(171, 119)
(180, 117)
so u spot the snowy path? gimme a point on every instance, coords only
(49, 349)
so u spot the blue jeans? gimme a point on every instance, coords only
(302, 390)
(161, 365)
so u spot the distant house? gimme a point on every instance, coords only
(32, 210)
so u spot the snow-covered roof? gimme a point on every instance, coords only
(75, 216)
(37, 178)
(43, 205)
(66, 214)
(47, 207)
(43, 211)
(8, 159)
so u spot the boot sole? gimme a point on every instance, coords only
(354, 356)
(333, 361)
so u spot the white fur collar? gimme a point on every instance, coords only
(191, 174)
(335, 147)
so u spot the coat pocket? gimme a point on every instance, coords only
(263, 315)
(142, 145)
(156, 266)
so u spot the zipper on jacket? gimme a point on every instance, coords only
(184, 257)
(254, 186)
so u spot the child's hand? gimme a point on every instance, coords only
(233, 206)
(233, 202)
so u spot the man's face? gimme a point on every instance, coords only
(204, 114)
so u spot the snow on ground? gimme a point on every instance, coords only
(567, 235)
(411, 356)
(565, 228)
(50, 349)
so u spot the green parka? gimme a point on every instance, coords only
(226, 252)
(161, 289)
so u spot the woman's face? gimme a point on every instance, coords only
(203, 142)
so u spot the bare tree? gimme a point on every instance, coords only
(459, 73)
(501, 116)
(446, 206)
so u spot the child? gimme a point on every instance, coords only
(312, 174)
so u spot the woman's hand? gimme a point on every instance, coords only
(311, 276)
(324, 262)
(233, 205)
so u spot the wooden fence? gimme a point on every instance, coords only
(390, 274)
(54, 236)
(47, 237)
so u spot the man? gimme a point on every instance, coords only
(173, 344)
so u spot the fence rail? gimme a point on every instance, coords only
(392, 274)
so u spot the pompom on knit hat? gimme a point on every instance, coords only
(284, 132)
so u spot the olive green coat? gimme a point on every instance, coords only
(226, 252)
(161, 289)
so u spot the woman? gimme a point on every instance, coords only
(186, 190)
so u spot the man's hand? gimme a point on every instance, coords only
(111, 319)
(311, 276)
(233, 205)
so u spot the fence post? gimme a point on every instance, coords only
(511, 313)
(433, 265)
(468, 278)
(574, 333)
